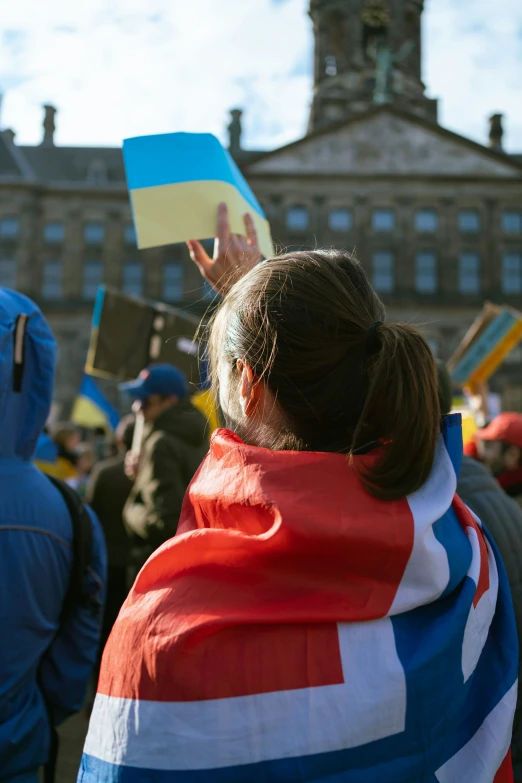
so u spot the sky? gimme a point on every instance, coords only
(119, 68)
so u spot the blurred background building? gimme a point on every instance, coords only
(435, 218)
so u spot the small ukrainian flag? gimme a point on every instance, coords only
(92, 409)
(176, 183)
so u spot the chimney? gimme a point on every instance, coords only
(496, 132)
(234, 132)
(48, 126)
(9, 135)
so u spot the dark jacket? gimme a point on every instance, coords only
(511, 483)
(503, 518)
(172, 450)
(107, 493)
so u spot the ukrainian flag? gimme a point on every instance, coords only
(92, 408)
(176, 182)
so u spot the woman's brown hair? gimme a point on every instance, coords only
(307, 325)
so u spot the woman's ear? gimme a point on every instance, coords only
(249, 389)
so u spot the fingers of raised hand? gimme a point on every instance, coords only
(223, 226)
(251, 232)
(199, 255)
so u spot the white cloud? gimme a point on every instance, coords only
(126, 67)
(473, 63)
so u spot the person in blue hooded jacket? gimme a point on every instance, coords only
(45, 664)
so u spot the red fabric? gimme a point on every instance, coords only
(505, 773)
(467, 520)
(265, 537)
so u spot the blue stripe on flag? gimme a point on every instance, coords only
(98, 307)
(450, 533)
(170, 158)
(452, 433)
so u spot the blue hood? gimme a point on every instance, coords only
(26, 375)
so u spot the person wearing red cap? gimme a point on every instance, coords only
(500, 448)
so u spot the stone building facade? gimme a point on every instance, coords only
(435, 218)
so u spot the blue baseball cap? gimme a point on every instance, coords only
(164, 379)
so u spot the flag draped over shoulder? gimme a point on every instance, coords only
(297, 629)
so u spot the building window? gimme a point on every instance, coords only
(129, 234)
(426, 272)
(512, 273)
(512, 222)
(54, 233)
(426, 221)
(383, 220)
(92, 278)
(173, 275)
(94, 233)
(133, 278)
(52, 280)
(297, 219)
(469, 273)
(340, 220)
(383, 272)
(469, 221)
(9, 228)
(8, 272)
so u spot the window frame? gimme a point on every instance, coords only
(340, 211)
(49, 283)
(178, 265)
(383, 211)
(466, 212)
(516, 273)
(426, 211)
(14, 272)
(127, 284)
(511, 212)
(419, 272)
(49, 240)
(297, 229)
(126, 241)
(375, 272)
(94, 242)
(91, 262)
(12, 236)
(462, 257)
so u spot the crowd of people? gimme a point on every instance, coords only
(309, 599)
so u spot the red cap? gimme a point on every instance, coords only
(507, 427)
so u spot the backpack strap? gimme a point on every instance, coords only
(81, 548)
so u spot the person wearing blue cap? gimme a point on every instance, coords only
(174, 443)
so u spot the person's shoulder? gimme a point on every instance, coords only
(483, 494)
(104, 469)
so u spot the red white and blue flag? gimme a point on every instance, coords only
(297, 629)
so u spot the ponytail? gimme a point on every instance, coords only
(402, 404)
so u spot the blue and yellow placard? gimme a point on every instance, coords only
(494, 338)
(176, 182)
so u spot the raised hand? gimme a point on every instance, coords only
(234, 255)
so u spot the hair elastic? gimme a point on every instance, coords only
(372, 343)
